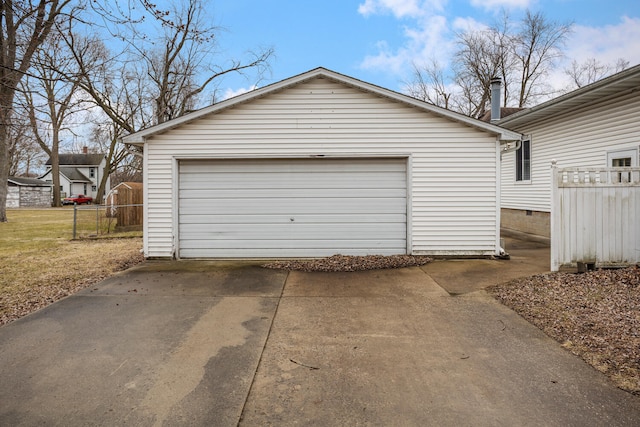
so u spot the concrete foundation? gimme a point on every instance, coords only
(530, 222)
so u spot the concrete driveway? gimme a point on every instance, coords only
(226, 344)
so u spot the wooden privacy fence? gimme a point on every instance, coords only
(125, 204)
(595, 217)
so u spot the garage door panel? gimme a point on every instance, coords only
(292, 249)
(292, 207)
(378, 218)
(308, 181)
(279, 166)
(192, 196)
(298, 206)
(289, 231)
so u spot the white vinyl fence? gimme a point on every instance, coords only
(595, 217)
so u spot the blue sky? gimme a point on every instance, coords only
(377, 40)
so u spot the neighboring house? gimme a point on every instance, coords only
(28, 193)
(320, 164)
(595, 126)
(80, 174)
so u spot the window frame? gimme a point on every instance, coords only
(521, 165)
(625, 153)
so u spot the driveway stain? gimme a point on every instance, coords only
(220, 327)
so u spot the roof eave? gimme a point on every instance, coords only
(589, 93)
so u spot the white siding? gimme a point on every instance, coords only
(452, 168)
(576, 139)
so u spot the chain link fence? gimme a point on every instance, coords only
(93, 221)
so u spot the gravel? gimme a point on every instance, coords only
(595, 315)
(350, 263)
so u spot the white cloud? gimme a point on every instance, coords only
(426, 41)
(606, 44)
(230, 93)
(400, 8)
(467, 24)
(499, 4)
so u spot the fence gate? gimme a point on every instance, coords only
(595, 217)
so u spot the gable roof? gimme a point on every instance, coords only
(28, 182)
(615, 85)
(139, 137)
(78, 160)
(74, 175)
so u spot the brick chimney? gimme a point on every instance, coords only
(85, 150)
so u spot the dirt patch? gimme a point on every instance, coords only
(594, 315)
(350, 263)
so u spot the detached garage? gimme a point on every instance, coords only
(321, 164)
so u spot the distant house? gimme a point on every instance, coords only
(28, 192)
(79, 174)
(595, 126)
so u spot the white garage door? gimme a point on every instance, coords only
(292, 207)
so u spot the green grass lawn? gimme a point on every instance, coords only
(40, 262)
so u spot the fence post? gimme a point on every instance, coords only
(555, 238)
(97, 220)
(75, 217)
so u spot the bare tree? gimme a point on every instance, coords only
(181, 69)
(429, 84)
(152, 80)
(25, 155)
(481, 56)
(538, 47)
(50, 100)
(520, 53)
(25, 25)
(592, 70)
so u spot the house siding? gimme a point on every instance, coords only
(575, 139)
(452, 172)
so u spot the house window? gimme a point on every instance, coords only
(94, 188)
(623, 162)
(623, 159)
(523, 161)
(92, 172)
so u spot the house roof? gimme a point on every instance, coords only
(612, 86)
(139, 137)
(504, 112)
(28, 182)
(74, 175)
(78, 160)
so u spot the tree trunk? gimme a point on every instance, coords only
(55, 176)
(103, 182)
(4, 162)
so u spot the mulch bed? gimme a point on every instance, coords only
(595, 315)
